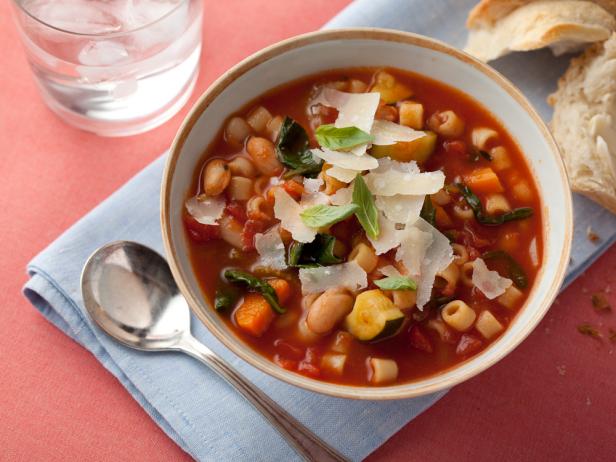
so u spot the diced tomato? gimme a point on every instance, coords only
(294, 189)
(471, 238)
(455, 148)
(251, 227)
(468, 345)
(287, 350)
(420, 340)
(285, 363)
(237, 210)
(308, 369)
(199, 232)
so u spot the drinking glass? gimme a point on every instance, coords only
(113, 67)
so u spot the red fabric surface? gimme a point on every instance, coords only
(551, 399)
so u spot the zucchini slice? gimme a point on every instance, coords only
(418, 150)
(374, 317)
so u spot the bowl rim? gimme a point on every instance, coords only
(396, 391)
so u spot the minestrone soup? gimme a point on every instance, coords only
(365, 226)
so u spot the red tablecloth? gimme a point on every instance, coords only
(554, 398)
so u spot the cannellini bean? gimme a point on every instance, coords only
(263, 154)
(216, 177)
(231, 231)
(273, 128)
(241, 166)
(236, 131)
(328, 310)
(446, 123)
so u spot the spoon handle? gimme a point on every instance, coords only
(306, 443)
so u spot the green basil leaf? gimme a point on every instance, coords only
(319, 252)
(491, 220)
(396, 283)
(515, 272)
(258, 285)
(341, 139)
(428, 212)
(367, 213)
(293, 150)
(225, 298)
(325, 215)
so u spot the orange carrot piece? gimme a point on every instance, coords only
(442, 218)
(294, 189)
(484, 181)
(254, 315)
(282, 288)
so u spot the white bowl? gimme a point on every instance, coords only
(321, 51)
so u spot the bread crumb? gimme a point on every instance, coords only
(591, 235)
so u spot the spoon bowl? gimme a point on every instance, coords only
(129, 292)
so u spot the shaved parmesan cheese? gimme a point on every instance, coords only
(354, 109)
(288, 212)
(271, 250)
(342, 174)
(399, 208)
(388, 238)
(437, 258)
(386, 164)
(311, 195)
(414, 245)
(343, 196)
(349, 275)
(490, 283)
(385, 132)
(346, 160)
(395, 182)
(532, 251)
(206, 210)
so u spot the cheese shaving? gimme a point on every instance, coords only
(311, 195)
(389, 271)
(349, 275)
(399, 208)
(490, 283)
(385, 132)
(342, 174)
(388, 238)
(395, 182)
(343, 196)
(271, 250)
(288, 212)
(346, 160)
(414, 245)
(354, 109)
(206, 210)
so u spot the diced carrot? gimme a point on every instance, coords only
(282, 288)
(254, 315)
(442, 218)
(294, 189)
(483, 180)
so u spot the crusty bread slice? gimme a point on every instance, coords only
(498, 27)
(584, 122)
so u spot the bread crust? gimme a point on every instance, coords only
(584, 122)
(498, 27)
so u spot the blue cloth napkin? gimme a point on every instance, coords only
(194, 407)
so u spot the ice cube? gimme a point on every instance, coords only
(102, 53)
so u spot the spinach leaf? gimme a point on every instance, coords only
(292, 149)
(341, 139)
(475, 154)
(396, 283)
(514, 271)
(225, 297)
(325, 215)
(367, 213)
(428, 212)
(258, 285)
(319, 252)
(491, 220)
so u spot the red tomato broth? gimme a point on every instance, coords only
(280, 342)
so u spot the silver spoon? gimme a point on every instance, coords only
(129, 292)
